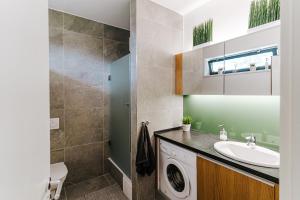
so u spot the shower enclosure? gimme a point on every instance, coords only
(120, 114)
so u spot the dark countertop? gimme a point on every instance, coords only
(202, 143)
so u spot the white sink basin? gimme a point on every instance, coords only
(254, 155)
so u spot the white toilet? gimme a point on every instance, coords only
(58, 173)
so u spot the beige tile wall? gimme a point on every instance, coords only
(80, 53)
(158, 37)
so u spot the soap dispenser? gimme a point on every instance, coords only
(223, 133)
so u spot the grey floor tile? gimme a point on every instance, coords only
(79, 198)
(112, 192)
(115, 173)
(75, 194)
(110, 179)
(79, 190)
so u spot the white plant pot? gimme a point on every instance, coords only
(186, 127)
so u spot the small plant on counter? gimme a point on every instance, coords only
(203, 33)
(263, 12)
(186, 121)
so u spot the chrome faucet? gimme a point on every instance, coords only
(251, 140)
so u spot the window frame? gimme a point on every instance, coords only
(273, 49)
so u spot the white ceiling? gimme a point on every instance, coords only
(181, 6)
(111, 12)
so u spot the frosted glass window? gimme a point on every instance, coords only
(241, 62)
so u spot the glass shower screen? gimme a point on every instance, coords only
(120, 114)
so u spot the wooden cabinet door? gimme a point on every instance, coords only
(216, 182)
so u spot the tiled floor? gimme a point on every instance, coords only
(100, 188)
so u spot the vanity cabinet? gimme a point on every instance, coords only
(216, 181)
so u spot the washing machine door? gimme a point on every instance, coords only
(176, 178)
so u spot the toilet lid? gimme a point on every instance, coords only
(58, 171)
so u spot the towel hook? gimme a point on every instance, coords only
(146, 122)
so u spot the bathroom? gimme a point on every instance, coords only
(81, 54)
(150, 99)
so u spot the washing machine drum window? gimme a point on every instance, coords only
(176, 178)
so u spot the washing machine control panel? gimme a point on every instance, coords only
(177, 153)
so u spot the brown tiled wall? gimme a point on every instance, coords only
(80, 53)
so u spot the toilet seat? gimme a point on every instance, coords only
(58, 171)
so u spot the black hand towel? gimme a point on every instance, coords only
(145, 159)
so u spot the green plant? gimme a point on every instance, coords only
(187, 120)
(203, 32)
(263, 12)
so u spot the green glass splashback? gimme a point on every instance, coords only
(242, 116)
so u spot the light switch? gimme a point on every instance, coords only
(54, 123)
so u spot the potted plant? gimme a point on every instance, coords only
(203, 33)
(186, 123)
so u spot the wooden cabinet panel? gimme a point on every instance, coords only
(178, 74)
(216, 182)
(276, 192)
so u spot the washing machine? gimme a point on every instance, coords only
(177, 175)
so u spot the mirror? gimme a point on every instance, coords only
(247, 65)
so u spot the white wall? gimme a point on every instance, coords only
(230, 20)
(24, 97)
(290, 98)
